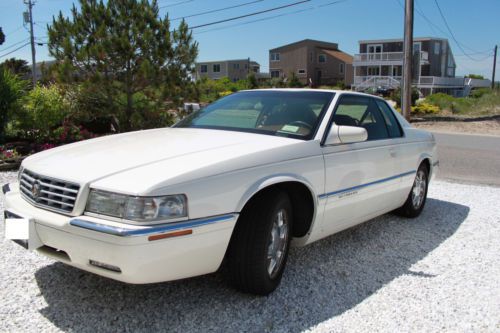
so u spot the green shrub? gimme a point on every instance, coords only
(43, 110)
(12, 88)
(480, 92)
(462, 105)
(425, 108)
(396, 96)
(444, 101)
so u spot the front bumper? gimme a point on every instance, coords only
(138, 254)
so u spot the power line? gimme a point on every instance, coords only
(451, 32)
(251, 14)
(255, 21)
(15, 30)
(13, 45)
(270, 17)
(175, 4)
(216, 10)
(6, 54)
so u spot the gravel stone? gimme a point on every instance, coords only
(439, 272)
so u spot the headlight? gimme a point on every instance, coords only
(141, 209)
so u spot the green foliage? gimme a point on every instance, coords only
(479, 92)
(481, 102)
(252, 81)
(396, 96)
(123, 48)
(475, 76)
(210, 90)
(425, 108)
(69, 132)
(443, 101)
(294, 81)
(2, 36)
(43, 110)
(16, 66)
(12, 88)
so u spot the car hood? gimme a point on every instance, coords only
(174, 152)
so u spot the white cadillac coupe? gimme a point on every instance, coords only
(234, 185)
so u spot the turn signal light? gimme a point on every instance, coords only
(170, 235)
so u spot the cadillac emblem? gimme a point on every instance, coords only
(36, 190)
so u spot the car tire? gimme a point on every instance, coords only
(417, 197)
(261, 236)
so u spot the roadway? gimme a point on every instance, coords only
(469, 158)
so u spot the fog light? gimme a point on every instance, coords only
(105, 266)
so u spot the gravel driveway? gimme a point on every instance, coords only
(440, 272)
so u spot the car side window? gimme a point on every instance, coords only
(361, 111)
(390, 120)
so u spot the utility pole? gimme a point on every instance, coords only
(408, 60)
(32, 39)
(494, 68)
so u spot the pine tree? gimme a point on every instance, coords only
(16, 66)
(125, 47)
(2, 36)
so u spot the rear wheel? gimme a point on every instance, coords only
(259, 247)
(415, 202)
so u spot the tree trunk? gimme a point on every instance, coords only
(129, 110)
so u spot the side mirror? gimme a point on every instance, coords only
(346, 134)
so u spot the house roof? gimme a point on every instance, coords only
(317, 43)
(347, 58)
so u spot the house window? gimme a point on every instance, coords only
(236, 66)
(275, 56)
(373, 70)
(322, 58)
(437, 47)
(341, 68)
(216, 68)
(301, 71)
(275, 74)
(203, 68)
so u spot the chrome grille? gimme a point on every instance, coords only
(48, 192)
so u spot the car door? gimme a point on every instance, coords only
(360, 180)
(405, 153)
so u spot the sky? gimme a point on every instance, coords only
(475, 25)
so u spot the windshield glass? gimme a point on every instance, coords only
(294, 114)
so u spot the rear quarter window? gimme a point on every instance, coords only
(393, 126)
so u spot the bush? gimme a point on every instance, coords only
(443, 101)
(67, 133)
(12, 88)
(425, 108)
(43, 110)
(89, 102)
(480, 92)
(396, 96)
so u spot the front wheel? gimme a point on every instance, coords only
(259, 247)
(415, 202)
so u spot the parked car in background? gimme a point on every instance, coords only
(237, 182)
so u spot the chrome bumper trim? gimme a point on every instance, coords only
(148, 230)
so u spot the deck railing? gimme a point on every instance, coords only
(386, 56)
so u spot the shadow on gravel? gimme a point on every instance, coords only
(322, 280)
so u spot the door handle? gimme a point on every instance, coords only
(393, 152)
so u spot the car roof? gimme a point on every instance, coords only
(314, 90)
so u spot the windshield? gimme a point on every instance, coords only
(294, 114)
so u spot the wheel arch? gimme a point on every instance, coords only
(301, 193)
(427, 160)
